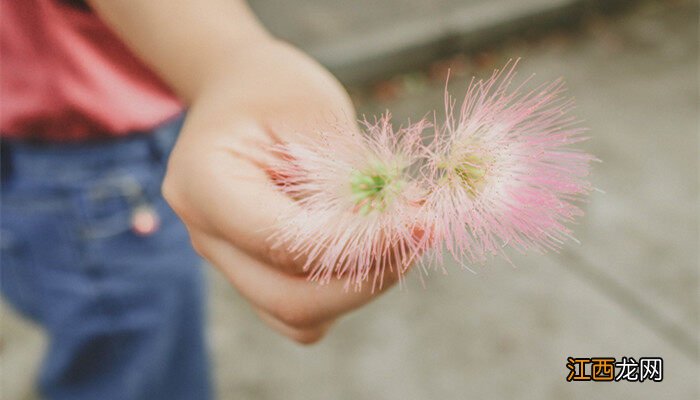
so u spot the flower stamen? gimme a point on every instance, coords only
(372, 189)
(471, 171)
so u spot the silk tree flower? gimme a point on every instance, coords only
(502, 171)
(357, 204)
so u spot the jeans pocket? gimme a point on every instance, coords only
(113, 204)
(132, 225)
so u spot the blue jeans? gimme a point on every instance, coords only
(124, 311)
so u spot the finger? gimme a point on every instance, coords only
(211, 195)
(266, 154)
(300, 335)
(290, 299)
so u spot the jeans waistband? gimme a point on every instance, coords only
(52, 160)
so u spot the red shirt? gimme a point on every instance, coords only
(65, 76)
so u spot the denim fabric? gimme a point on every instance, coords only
(124, 313)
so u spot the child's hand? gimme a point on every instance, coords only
(229, 204)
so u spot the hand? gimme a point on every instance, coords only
(228, 203)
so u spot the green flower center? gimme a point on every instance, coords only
(471, 171)
(466, 169)
(373, 189)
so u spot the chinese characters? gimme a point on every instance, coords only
(602, 369)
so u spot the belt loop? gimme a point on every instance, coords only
(163, 137)
(5, 160)
(155, 146)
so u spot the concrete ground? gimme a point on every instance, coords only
(629, 289)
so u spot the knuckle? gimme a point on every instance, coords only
(309, 336)
(285, 260)
(295, 316)
(171, 193)
(198, 245)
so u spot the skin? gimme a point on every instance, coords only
(240, 83)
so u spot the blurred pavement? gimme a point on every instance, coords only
(360, 40)
(629, 289)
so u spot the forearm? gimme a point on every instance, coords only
(218, 57)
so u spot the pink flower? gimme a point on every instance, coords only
(501, 171)
(357, 202)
